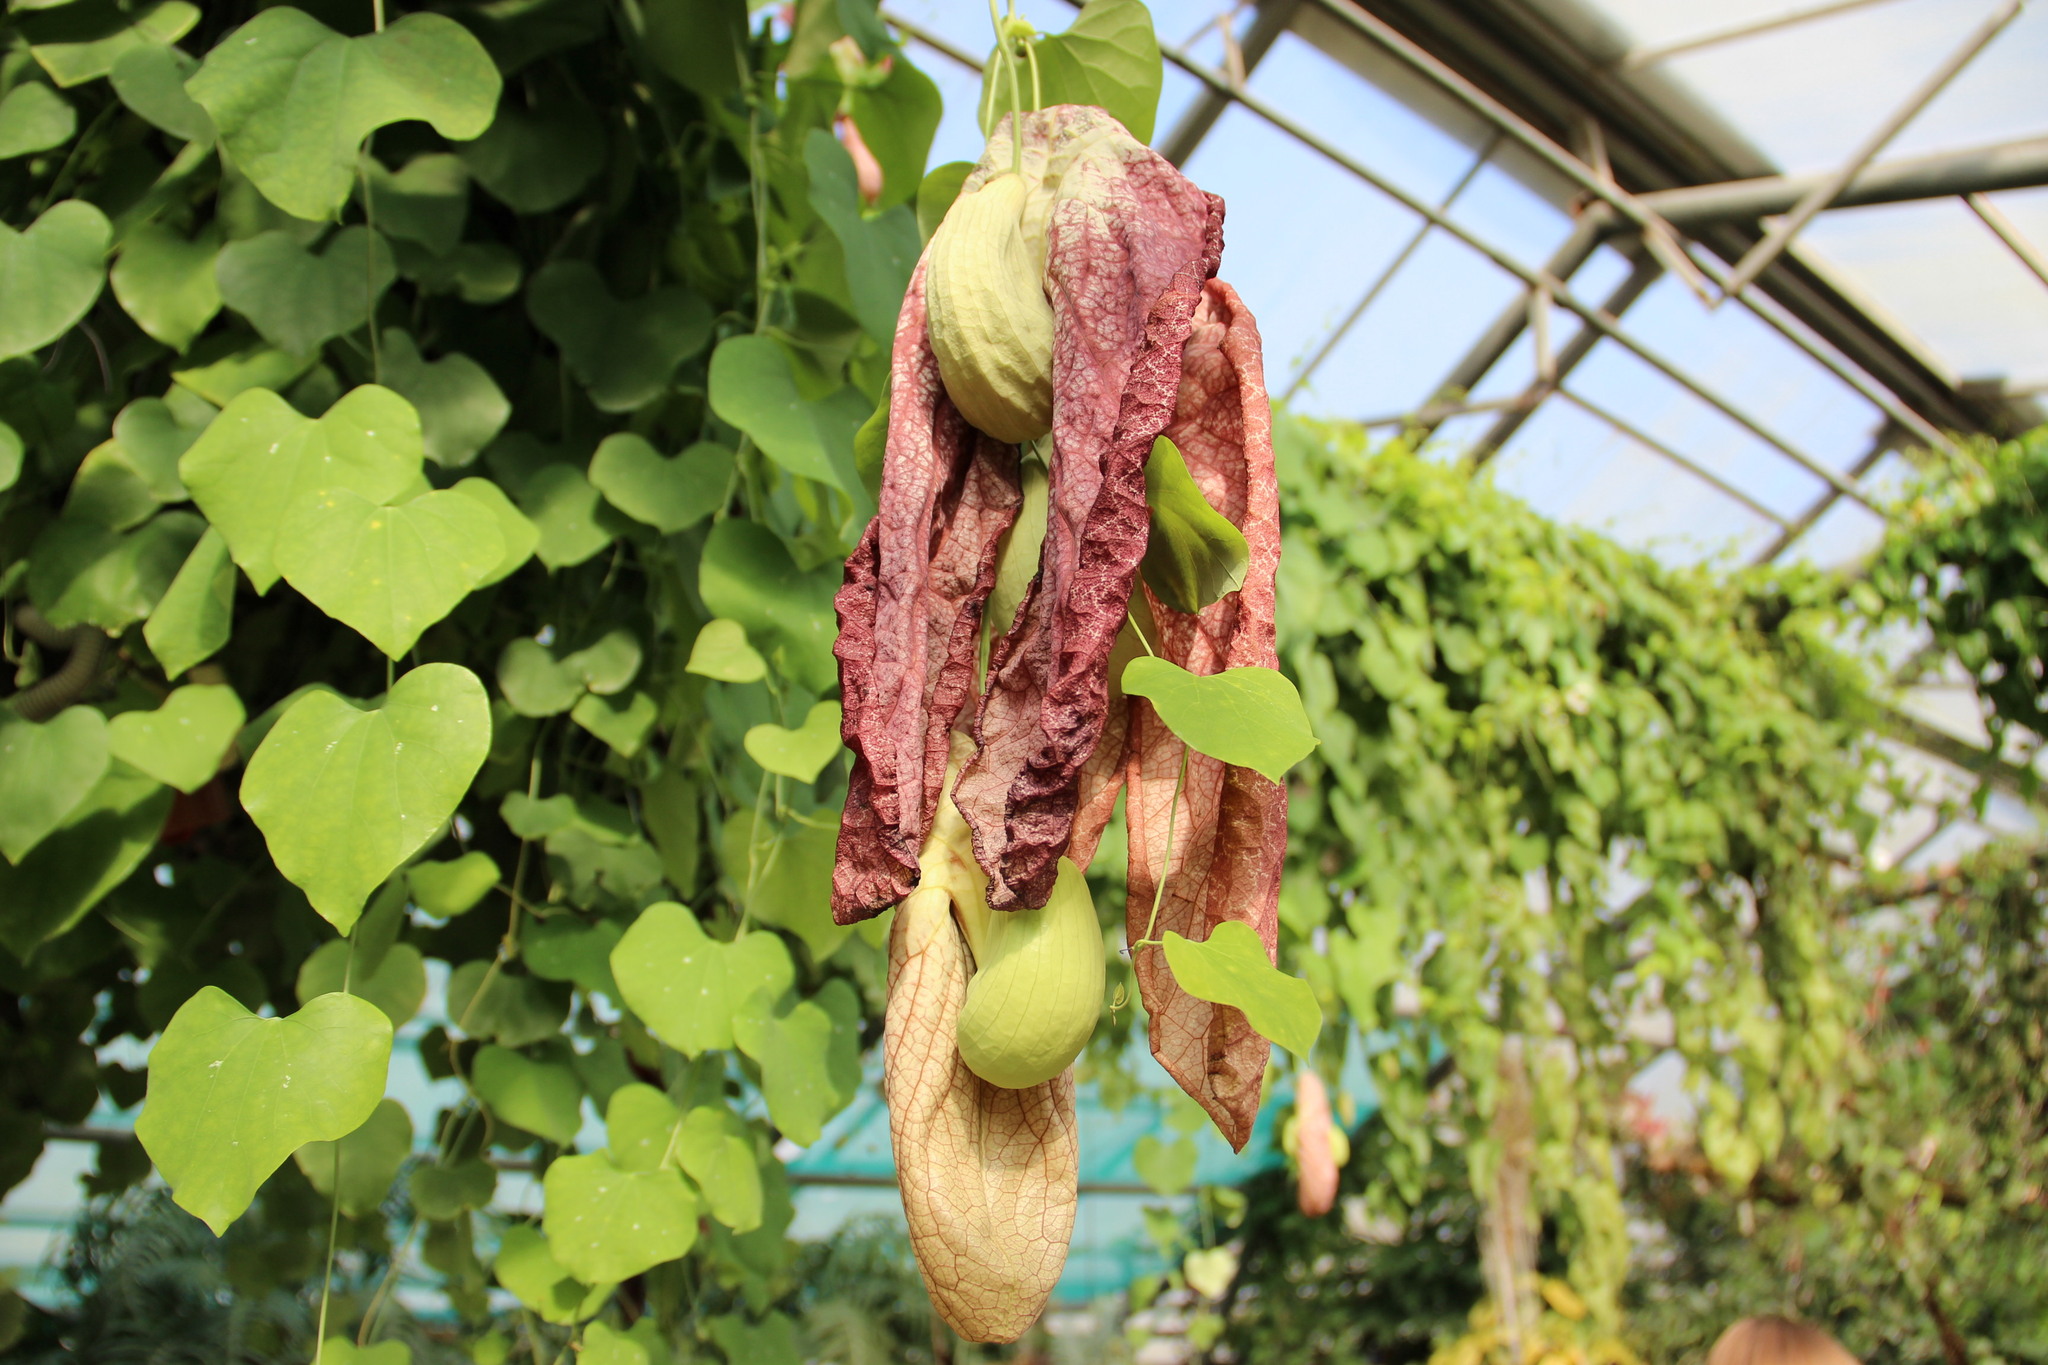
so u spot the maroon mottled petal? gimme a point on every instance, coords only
(909, 612)
(1130, 244)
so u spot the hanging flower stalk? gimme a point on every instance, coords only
(1069, 292)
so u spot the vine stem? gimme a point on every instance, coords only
(370, 248)
(333, 1232)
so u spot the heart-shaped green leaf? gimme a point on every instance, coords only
(80, 571)
(461, 407)
(544, 1098)
(801, 753)
(565, 949)
(181, 742)
(622, 722)
(536, 156)
(1168, 1167)
(446, 1192)
(519, 536)
(150, 80)
(46, 770)
(571, 516)
(746, 575)
(809, 1055)
(784, 877)
(1193, 556)
(639, 1126)
(76, 43)
(881, 252)
(685, 986)
(344, 1351)
(425, 202)
(221, 381)
(605, 1224)
(1209, 1272)
(721, 651)
(34, 118)
(103, 839)
(166, 283)
(530, 1271)
(717, 1152)
(260, 459)
(667, 494)
(1250, 717)
(293, 99)
(50, 274)
(390, 572)
(1108, 57)
(231, 1095)
(448, 889)
(1231, 968)
(623, 353)
(195, 615)
(298, 300)
(345, 795)
(753, 388)
(534, 681)
(397, 984)
(369, 1160)
(608, 666)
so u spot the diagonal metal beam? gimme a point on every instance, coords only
(1977, 170)
(1637, 58)
(1889, 438)
(1273, 18)
(2009, 233)
(1657, 447)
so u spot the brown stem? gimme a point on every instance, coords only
(1954, 1350)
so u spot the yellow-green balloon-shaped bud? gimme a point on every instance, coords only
(1037, 988)
(991, 326)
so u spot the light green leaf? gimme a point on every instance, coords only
(772, 1341)
(446, 1192)
(389, 572)
(475, 272)
(1367, 958)
(624, 723)
(260, 459)
(881, 252)
(345, 795)
(752, 388)
(1231, 968)
(298, 300)
(610, 665)
(1194, 556)
(537, 157)
(564, 948)
(871, 448)
(603, 1346)
(897, 118)
(718, 1153)
(746, 575)
(426, 202)
(103, 839)
(80, 571)
(518, 535)
(1168, 1167)
(801, 753)
(544, 1098)
(1108, 57)
(47, 769)
(1250, 717)
(721, 651)
(50, 274)
(397, 984)
(623, 353)
(685, 986)
(231, 1095)
(181, 743)
(193, 618)
(515, 1009)
(936, 193)
(150, 80)
(344, 1351)
(34, 118)
(534, 682)
(11, 451)
(605, 1224)
(530, 1271)
(669, 494)
(447, 889)
(76, 43)
(370, 1158)
(222, 381)
(791, 877)
(461, 407)
(167, 283)
(640, 1125)
(293, 99)
(569, 514)
(809, 1055)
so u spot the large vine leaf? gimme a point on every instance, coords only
(232, 1095)
(344, 794)
(293, 100)
(82, 571)
(298, 299)
(182, 742)
(76, 43)
(747, 576)
(195, 616)
(50, 274)
(527, 1268)
(753, 388)
(104, 838)
(388, 571)
(1230, 967)
(542, 1097)
(669, 493)
(1251, 717)
(623, 353)
(801, 753)
(605, 1224)
(881, 252)
(260, 459)
(809, 1054)
(166, 281)
(1108, 57)
(397, 984)
(368, 1160)
(686, 985)
(461, 407)
(47, 769)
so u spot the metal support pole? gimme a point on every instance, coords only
(2009, 233)
(1657, 447)
(1273, 19)
(2006, 166)
(1889, 438)
(1646, 56)
(1820, 196)
(1577, 349)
